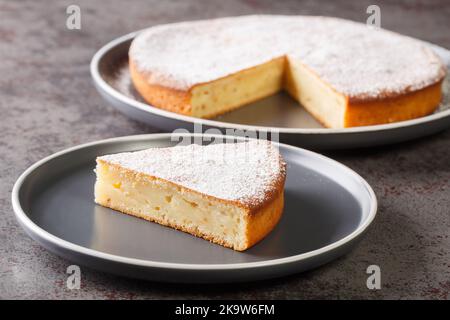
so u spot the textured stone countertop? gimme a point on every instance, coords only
(48, 103)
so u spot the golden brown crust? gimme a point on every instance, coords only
(261, 224)
(408, 106)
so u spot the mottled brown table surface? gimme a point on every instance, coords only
(48, 103)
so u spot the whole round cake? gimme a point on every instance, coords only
(344, 73)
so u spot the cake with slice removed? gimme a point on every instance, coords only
(228, 193)
(344, 73)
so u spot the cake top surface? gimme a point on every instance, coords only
(360, 61)
(246, 172)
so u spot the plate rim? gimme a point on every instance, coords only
(145, 107)
(34, 229)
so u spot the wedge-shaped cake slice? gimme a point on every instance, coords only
(229, 193)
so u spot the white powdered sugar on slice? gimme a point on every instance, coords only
(356, 60)
(246, 172)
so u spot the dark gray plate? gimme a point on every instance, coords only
(109, 70)
(327, 208)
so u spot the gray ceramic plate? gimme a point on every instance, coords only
(327, 208)
(109, 70)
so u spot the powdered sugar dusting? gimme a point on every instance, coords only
(357, 60)
(247, 172)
